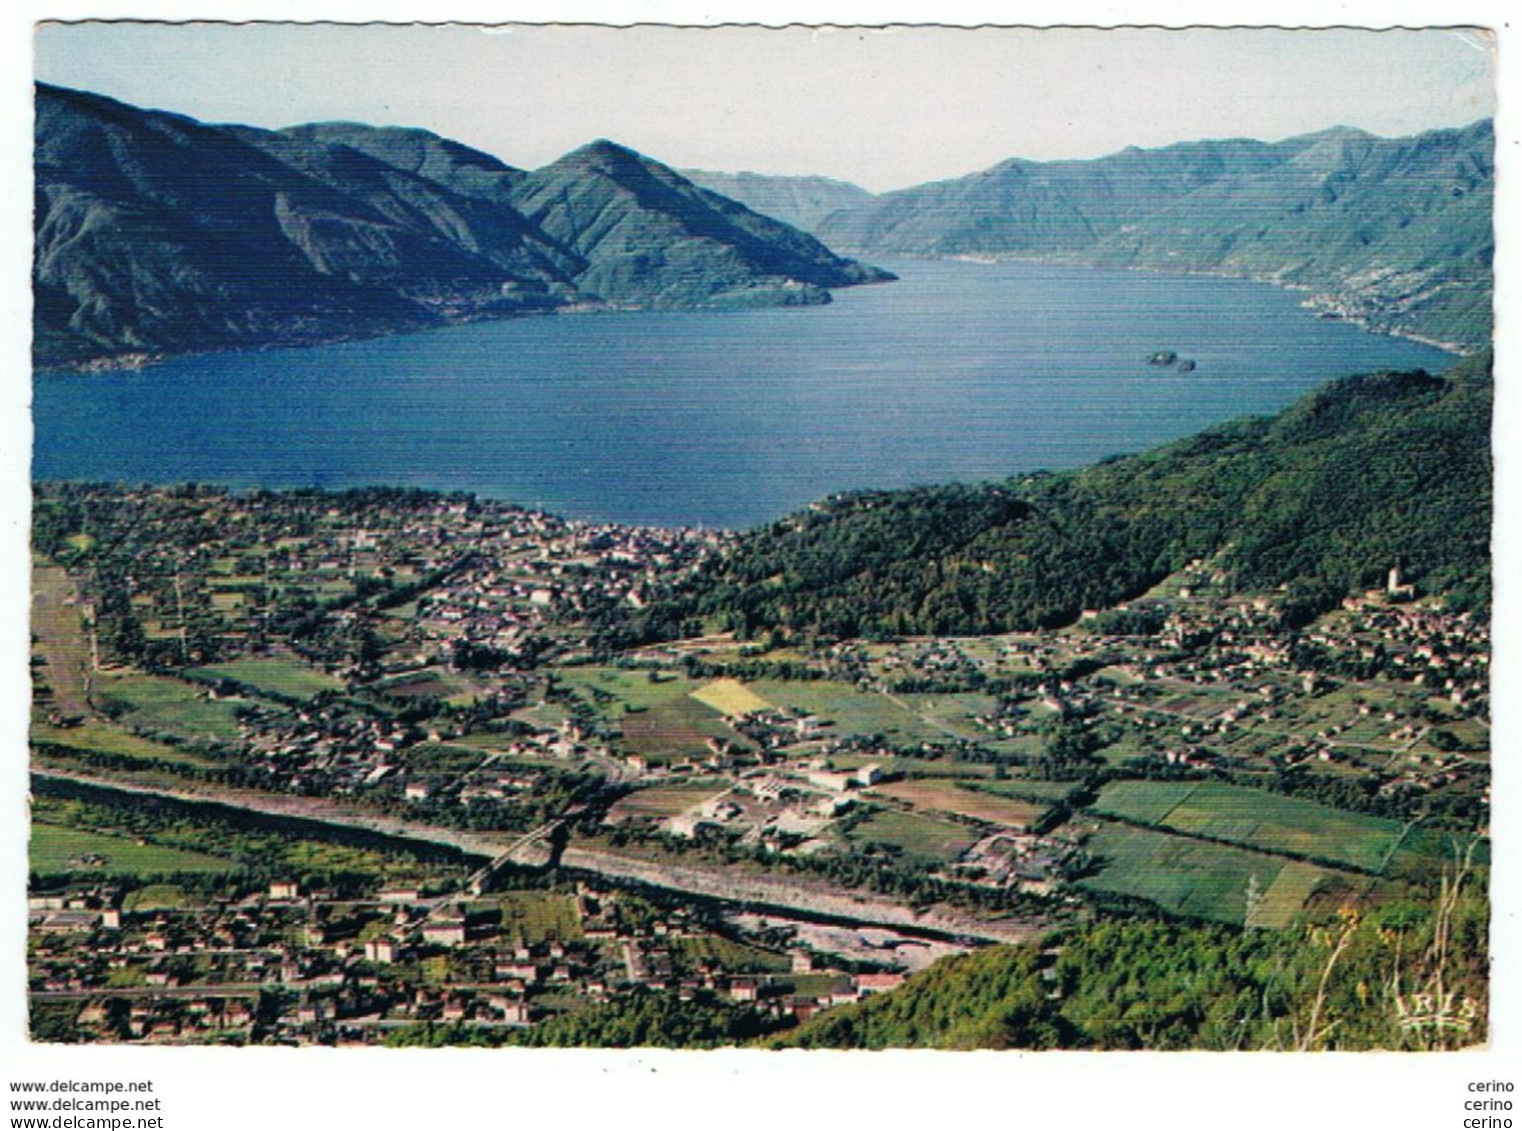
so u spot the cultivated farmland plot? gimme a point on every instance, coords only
(278, 675)
(1283, 899)
(661, 719)
(730, 697)
(914, 834)
(1256, 819)
(55, 849)
(946, 796)
(1200, 879)
(659, 802)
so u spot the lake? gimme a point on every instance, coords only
(959, 371)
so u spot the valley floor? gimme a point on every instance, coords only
(355, 768)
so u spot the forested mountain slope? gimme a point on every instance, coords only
(157, 234)
(1393, 231)
(1159, 985)
(1363, 474)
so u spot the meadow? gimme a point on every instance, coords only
(912, 834)
(537, 917)
(274, 675)
(170, 706)
(54, 849)
(92, 738)
(1184, 877)
(1255, 819)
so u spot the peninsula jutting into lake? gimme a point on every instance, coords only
(613, 603)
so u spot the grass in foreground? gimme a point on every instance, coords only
(55, 849)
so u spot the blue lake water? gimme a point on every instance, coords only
(959, 371)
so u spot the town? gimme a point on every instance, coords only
(363, 767)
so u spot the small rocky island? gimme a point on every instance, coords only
(1169, 359)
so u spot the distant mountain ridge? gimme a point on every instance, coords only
(1393, 232)
(803, 202)
(156, 235)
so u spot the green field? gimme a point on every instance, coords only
(56, 849)
(154, 897)
(103, 738)
(672, 716)
(1282, 900)
(1428, 853)
(614, 692)
(1182, 876)
(735, 957)
(1145, 801)
(150, 844)
(159, 703)
(849, 711)
(279, 675)
(442, 757)
(538, 916)
(944, 768)
(127, 977)
(330, 856)
(1032, 789)
(818, 984)
(1256, 819)
(914, 834)
(953, 712)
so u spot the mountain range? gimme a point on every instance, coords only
(1393, 232)
(157, 235)
(804, 202)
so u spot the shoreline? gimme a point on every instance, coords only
(1318, 302)
(138, 360)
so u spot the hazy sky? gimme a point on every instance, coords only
(882, 107)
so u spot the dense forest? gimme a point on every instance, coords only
(1405, 975)
(1361, 475)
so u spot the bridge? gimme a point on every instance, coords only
(532, 850)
